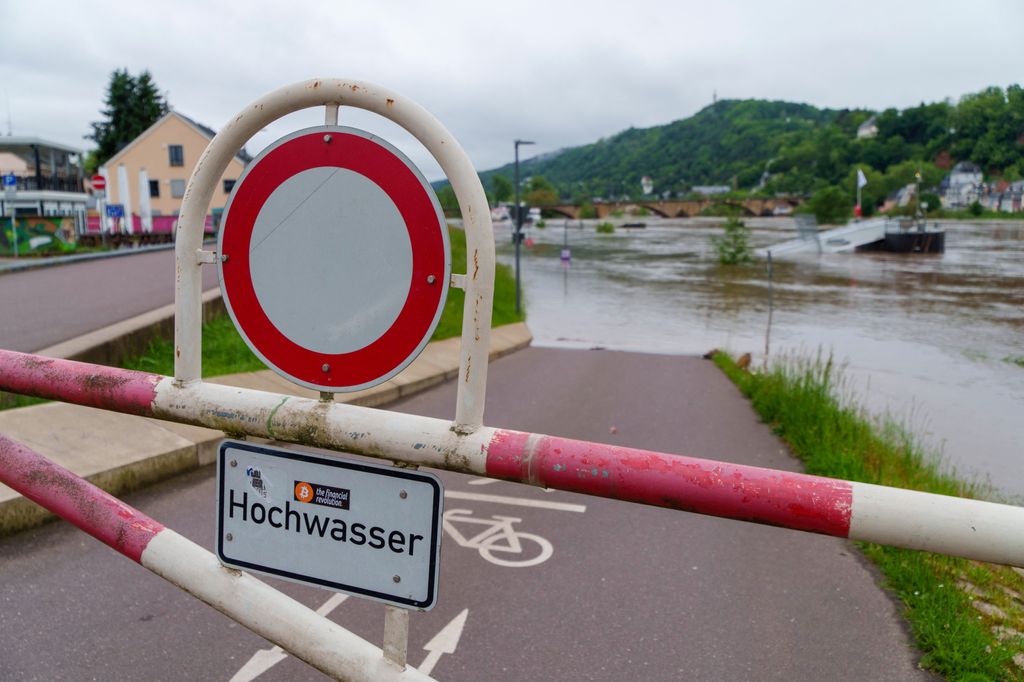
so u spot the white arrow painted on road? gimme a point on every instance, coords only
(443, 642)
(265, 659)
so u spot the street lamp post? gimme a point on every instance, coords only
(518, 236)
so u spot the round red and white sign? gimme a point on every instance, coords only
(334, 258)
(98, 182)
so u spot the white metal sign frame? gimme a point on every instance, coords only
(478, 282)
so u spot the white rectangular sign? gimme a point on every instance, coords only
(370, 530)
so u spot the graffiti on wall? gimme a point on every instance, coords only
(31, 236)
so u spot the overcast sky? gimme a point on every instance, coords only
(560, 73)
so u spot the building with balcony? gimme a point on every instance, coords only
(48, 180)
(42, 199)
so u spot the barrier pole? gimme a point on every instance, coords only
(973, 529)
(321, 643)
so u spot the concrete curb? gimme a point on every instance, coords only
(31, 262)
(112, 344)
(120, 453)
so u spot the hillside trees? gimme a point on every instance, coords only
(540, 192)
(804, 148)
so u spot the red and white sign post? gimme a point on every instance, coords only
(334, 259)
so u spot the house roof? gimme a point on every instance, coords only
(205, 131)
(868, 123)
(966, 167)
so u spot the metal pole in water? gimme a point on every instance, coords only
(518, 236)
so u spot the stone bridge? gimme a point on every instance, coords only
(684, 208)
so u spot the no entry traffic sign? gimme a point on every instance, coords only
(334, 258)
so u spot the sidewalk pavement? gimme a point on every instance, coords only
(120, 452)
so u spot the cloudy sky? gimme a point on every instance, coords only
(560, 73)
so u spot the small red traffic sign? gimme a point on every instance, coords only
(99, 182)
(334, 259)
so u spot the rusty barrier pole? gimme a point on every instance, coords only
(321, 643)
(974, 529)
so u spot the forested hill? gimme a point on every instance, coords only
(772, 146)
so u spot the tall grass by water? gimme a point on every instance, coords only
(967, 617)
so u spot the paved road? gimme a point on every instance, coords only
(45, 306)
(629, 592)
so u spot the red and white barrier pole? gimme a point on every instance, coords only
(301, 631)
(938, 523)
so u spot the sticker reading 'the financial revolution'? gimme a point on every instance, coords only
(316, 493)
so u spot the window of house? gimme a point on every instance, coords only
(228, 186)
(177, 189)
(154, 189)
(176, 155)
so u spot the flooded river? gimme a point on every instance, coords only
(925, 338)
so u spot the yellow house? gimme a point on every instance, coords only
(167, 151)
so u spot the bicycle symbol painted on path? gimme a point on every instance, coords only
(500, 543)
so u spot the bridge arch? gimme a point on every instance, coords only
(571, 212)
(654, 208)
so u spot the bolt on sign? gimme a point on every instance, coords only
(334, 258)
(369, 530)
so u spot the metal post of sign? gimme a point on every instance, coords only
(331, 93)
(10, 194)
(396, 635)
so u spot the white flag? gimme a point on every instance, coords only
(861, 180)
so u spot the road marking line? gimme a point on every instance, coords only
(483, 481)
(443, 642)
(518, 501)
(265, 659)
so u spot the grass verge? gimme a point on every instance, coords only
(224, 351)
(967, 617)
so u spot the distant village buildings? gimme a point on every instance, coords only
(962, 187)
(710, 190)
(966, 185)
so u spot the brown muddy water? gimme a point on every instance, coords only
(928, 340)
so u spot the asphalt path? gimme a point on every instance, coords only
(628, 592)
(45, 306)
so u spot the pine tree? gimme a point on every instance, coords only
(132, 105)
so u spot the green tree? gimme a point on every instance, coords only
(831, 205)
(502, 188)
(933, 201)
(133, 104)
(733, 245)
(540, 192)
(449, 203)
